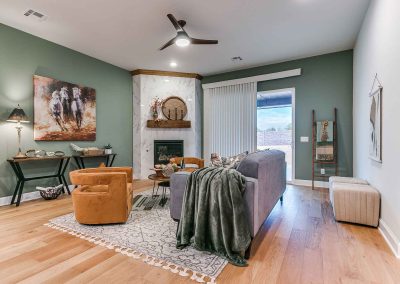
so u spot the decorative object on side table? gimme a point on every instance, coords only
(108, 149)
(166, 170)
(18, 115)
(50, 193)
(63, 111)
(87, 151)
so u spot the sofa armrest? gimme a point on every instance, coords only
(178, 182)
(179, 179)
(251, 203)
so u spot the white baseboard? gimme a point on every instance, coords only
(26, 196)
(391, 239)
(302, 182)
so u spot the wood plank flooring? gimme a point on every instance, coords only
(299, 243)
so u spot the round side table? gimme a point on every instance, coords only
(164, 183)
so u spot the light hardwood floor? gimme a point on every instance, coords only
(299, 243)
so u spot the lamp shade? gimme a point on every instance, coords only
(18, 115)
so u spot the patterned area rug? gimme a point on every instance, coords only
(149, 234)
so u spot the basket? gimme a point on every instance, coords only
(50, 193)
(97, 152)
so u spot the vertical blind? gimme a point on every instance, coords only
(230, 119)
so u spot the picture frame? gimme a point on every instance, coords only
(63, 111)
(375, 124)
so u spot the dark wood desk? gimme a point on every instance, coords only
(15, 164)
(81, 165)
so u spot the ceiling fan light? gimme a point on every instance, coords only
(182, 42)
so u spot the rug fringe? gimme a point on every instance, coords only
(176, 269)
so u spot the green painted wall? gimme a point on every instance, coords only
(326, 82)
(23, 55)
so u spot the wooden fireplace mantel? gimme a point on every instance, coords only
(166, 123)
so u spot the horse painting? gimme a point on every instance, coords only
(63, 111)
(77, 107)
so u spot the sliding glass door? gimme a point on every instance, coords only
(275, 124)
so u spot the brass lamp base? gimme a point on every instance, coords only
(20, 156)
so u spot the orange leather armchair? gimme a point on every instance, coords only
(188, 161)
(104, 195)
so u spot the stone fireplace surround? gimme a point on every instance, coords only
(145, 88)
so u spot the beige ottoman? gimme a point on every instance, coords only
(355, 203)
(333, 179)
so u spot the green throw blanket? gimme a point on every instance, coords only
(213, 214)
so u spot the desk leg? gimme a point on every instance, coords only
(18, 182)
(82, 163)
(107, 160)
(15, 192)
(59, 174)
(77, 162)
(63, 175)
(21, 186)
(112, 160)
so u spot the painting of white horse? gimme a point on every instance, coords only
(63, 111)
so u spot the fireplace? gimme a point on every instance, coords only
(167, 149)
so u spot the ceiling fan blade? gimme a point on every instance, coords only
(174, 22)
(203, 41)
(170, 42)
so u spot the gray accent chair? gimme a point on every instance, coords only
(265, 173)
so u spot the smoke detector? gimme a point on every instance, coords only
(236, 59)
(37, 15)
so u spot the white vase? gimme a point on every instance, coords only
(108, 151)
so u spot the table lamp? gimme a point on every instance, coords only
(18, 115)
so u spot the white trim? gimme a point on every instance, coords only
(293, 94)
(6, 200)
(259, 78)
(25, 197)
(390, 238)
(302, 182)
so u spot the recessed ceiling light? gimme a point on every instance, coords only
(166, 80)
(173, 64)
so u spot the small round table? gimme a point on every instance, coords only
(164, 183)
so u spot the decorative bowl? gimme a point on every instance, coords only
(49, 193)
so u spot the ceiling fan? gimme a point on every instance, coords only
(182, 38)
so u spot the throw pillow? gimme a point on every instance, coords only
(216, 160)
(234, 161)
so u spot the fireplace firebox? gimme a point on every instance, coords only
(167, 149)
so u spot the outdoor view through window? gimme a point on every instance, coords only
(274, 125)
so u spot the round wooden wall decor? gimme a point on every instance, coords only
(174, 108)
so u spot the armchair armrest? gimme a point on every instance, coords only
(127, 170)
(95, 178)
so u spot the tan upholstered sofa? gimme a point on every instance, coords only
(103, 196)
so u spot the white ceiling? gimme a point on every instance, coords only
(128, 33)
